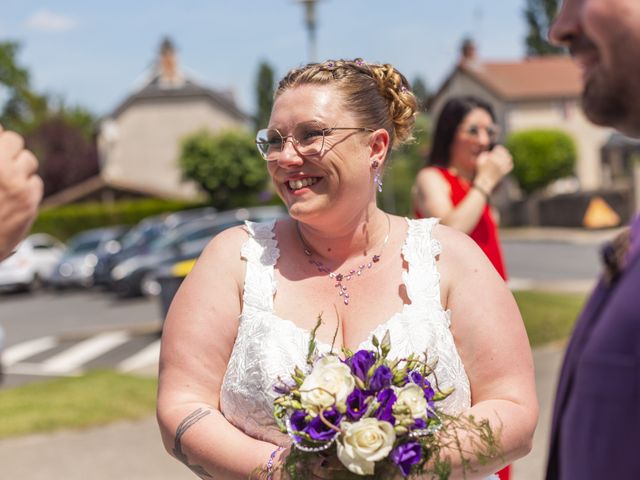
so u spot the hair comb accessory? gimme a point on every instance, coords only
(360, 62)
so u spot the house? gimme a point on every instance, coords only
(536, 92)
(139, 142)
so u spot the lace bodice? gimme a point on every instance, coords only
(268, 347)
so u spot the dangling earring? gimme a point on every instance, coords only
(377, 180)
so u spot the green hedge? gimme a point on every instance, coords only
(541, 156)
(63, 222)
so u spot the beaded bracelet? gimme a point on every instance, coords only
(487, 197)
(270, 462)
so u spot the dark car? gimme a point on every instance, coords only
(136, 275)
(170, 274)
(139, 238)
(76, 267)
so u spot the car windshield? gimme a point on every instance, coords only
(140, 235)
(184, 235)
(81, 245)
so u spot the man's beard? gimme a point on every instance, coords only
(611, 97)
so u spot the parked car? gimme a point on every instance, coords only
(136, 275)
(75, 268)
(139, 238)
(32, 263)
(170, 274)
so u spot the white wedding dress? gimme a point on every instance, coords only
(268, 347)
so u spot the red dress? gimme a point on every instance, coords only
(485, 235)
(485, 232)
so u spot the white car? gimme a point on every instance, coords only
(32, 263)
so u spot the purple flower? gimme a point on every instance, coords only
(415, 377)
(421, 381)
(361, 362)
(298, 422)
(419, 423)
(381, 378)
(356, 404)
(406, 455)
(386, 398)
(318, 430)
(429, 393)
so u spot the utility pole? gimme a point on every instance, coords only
(310, 23)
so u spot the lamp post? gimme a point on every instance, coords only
(310, 23)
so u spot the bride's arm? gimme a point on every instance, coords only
(197, 340)
(492, 342)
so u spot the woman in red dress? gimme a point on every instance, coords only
(463, 168)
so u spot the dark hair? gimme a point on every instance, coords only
(450, 118)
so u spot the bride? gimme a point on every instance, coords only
(243, 316)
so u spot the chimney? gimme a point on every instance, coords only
(468, 52)
(168, 72)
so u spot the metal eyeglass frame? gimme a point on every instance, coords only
(296, 143)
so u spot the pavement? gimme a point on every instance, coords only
(132, 450)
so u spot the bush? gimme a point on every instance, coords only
(226, 165)
(541, 156)
(63, 222)
(400, 173)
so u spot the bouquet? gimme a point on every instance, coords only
(379, 417)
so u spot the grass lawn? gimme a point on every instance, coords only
(97, 398)
(101, 397)
(548, 316)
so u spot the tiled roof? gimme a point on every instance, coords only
(528, 79)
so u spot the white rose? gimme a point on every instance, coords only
(363, 443)
(330, 381)
(412, 396)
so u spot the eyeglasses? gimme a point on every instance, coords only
(492, 131)
(306, 139)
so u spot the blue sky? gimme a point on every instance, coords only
(94, 53)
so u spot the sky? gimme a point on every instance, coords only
(93, 53)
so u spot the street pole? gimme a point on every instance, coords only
(310, 23)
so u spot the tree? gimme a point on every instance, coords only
(226, 165)
(66, 149)
(264, 94)
(539, 15)
(400, 173)
(23, 108)
(541, 156)
(421, 92)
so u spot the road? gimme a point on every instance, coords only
(52, 333)
(63, 333)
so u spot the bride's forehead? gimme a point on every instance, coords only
(321, 103)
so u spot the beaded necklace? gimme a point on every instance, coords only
(341, 277)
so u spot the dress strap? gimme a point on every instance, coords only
(422, 279)
(261, 254)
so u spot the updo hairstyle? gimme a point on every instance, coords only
(378, 95)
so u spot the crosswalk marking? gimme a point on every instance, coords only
(144, 358)
(16, 353)
(75, 356)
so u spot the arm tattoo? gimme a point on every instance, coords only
(187, 423)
